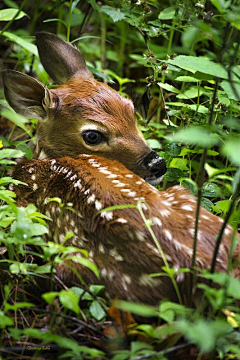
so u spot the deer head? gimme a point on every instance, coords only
(82, 115)
(118, 242)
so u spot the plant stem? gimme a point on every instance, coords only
(69, 20)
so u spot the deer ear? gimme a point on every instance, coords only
(60, 59)
(26, 95)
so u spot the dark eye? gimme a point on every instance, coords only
(92, 137)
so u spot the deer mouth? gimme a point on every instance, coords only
(153, 180)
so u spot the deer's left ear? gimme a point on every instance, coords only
(60, 59)
(26, 95)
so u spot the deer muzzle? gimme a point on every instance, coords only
(156, 165)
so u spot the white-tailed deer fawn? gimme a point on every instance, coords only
(86, 117)
(82, 116)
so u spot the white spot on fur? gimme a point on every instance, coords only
(132, 194)
(140, 235)
(33, 177)
(31, 169)
(98, 205)
(78, 185)
(86, 192)
(186, 207)
(129, 176)
(139, 182)
(108, 215)
(72, 223)
(168, 234)
(120, 184)
(35, 187)
(91, 199)
(101, 249)
(112, 176)
(122, 220)
(156, 221)
(165, 212)
(73, 177)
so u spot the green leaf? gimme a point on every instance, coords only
(168, 87)
(231, 149)
(196, 136)
(12, 153)
(5, 321)
(21, 42)
(179, 164)
(172, 149)
(69, 300)
(85, 262)
(231, 284)
(49, 297)
(187, 79)
(203, 65)
(204, 333)
(97, 311)
(115, 14)
(231, 89)
(221, 5)
(169, 310)
(211, 190)
(138, 309)
(154, 144)
(167, 14)
(8, 14)
(191, 93)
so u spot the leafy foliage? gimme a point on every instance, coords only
(183, 56)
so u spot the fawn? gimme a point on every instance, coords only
(84, 128)
(81, 116)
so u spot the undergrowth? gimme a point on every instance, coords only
(179, 62)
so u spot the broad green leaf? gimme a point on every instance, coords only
(232, 150)
(172, 149)
(179, 163)
(167, 14)
(69, 300)
(232, 90)
(27, 45)
(211, 190)
(115, 14)
(135, 308)
(168, 87)
(10, 153)
(17, 306)
(203, 333)
(196, 136)
(223, 205)
(5, 321)
(232, 284)
(85, 262)
(203, 65)
(187, 79)
(221, 5)
(97, 311)
(168, 311)
(8, 14)
(49, 297)
(191, 93)
(154, 144)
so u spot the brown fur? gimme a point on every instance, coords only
(123, 250)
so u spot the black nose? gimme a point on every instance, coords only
(155, 164)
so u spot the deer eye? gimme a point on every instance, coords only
(92, 137)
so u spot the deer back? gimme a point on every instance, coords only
(117, 240)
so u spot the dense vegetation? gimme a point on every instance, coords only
(181, 58)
